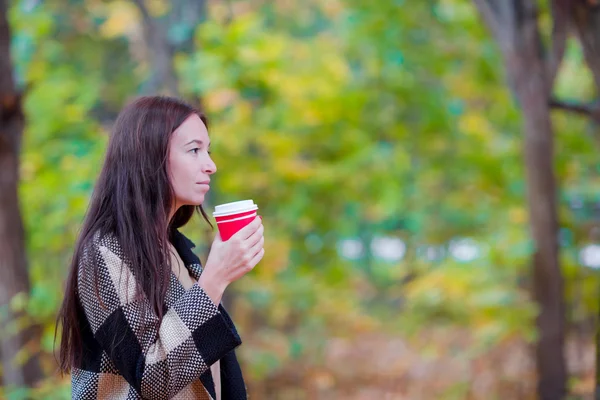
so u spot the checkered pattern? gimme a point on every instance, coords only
(128, 354)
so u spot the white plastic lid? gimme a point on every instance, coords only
(235, 207)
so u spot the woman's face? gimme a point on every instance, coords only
(190, 165)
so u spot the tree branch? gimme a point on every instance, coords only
(591, 110)
(586, 23)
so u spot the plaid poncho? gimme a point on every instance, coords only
(126, 357)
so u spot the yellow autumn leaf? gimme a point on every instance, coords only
(157, 8)
(475, 125)
(122, 19)
(218, 100)
(517, 215)
(332, 8)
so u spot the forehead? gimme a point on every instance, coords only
(191, 129)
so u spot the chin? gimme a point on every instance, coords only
(192, 201)
(197, 202)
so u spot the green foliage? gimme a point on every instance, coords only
(353, 120)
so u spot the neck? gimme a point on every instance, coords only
(172, 214)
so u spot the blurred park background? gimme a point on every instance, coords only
(401, 154)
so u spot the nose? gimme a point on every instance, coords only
(210, 167)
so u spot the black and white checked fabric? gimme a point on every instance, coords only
(129, 357)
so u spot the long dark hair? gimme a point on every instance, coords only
(132, 200)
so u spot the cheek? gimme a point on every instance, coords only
(175, 172)
(182, 174)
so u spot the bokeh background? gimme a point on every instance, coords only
(384, 148)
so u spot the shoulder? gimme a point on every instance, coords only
(98, 249)
(103, 274)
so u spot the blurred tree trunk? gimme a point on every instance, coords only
(165, 36)
(13, 264)
(162, 75)
(514, 25)
(584, 19)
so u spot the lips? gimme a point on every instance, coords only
(203, 183)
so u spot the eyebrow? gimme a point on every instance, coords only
(199, 142)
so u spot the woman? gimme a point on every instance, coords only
(141, 318)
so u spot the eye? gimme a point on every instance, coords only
(195, 150)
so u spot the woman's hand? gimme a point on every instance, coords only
(229, 261)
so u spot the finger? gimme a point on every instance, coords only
(256, 259)
(257, 246)
(249, 229)
(255, 237)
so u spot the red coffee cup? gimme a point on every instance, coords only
(231, 217)
(228, 217)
